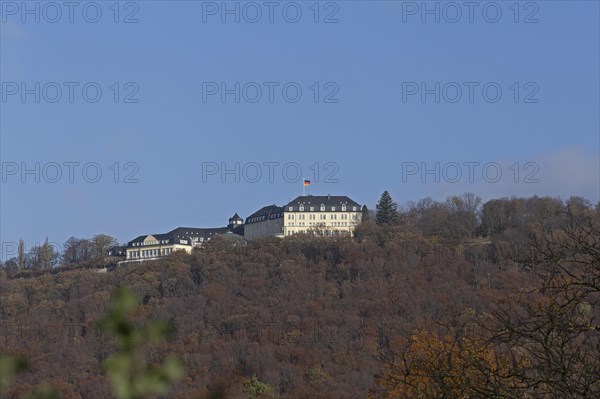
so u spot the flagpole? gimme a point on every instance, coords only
(303, 188)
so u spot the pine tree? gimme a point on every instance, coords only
(365, 214)
(387, 210)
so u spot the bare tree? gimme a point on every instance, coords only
(21, 257)
(43, 256)
(101, 243)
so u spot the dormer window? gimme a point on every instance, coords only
(354, 208)
(333, 209)
(312, 208)
(301, 208)
(291, 208)
(343, 208)
(322, 207)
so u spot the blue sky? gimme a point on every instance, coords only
(369, 130)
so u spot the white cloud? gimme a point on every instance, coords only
(568, 172)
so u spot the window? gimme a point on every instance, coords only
(312, 208)
(333, 209)
(322, 207)
(301, 208)
(354, 208)
(291, 208)
(344, 208)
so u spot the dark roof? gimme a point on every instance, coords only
(265, 213)
(182, 234)
(328, 200)
(235, 217)
(117, 250)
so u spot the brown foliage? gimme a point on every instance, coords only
(315, 317)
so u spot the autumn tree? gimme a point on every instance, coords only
(464, 214)
(300, 313)
(101, 243)
(431, 365)
(77, 250)
(11, 265)
(128, 371)
(255, 389)
(557, 322)
(43, 256)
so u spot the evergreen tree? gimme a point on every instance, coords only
(387, 210)
(365, 214)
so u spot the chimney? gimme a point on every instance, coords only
(328, 196)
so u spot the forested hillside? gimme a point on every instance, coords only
(447, 299)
